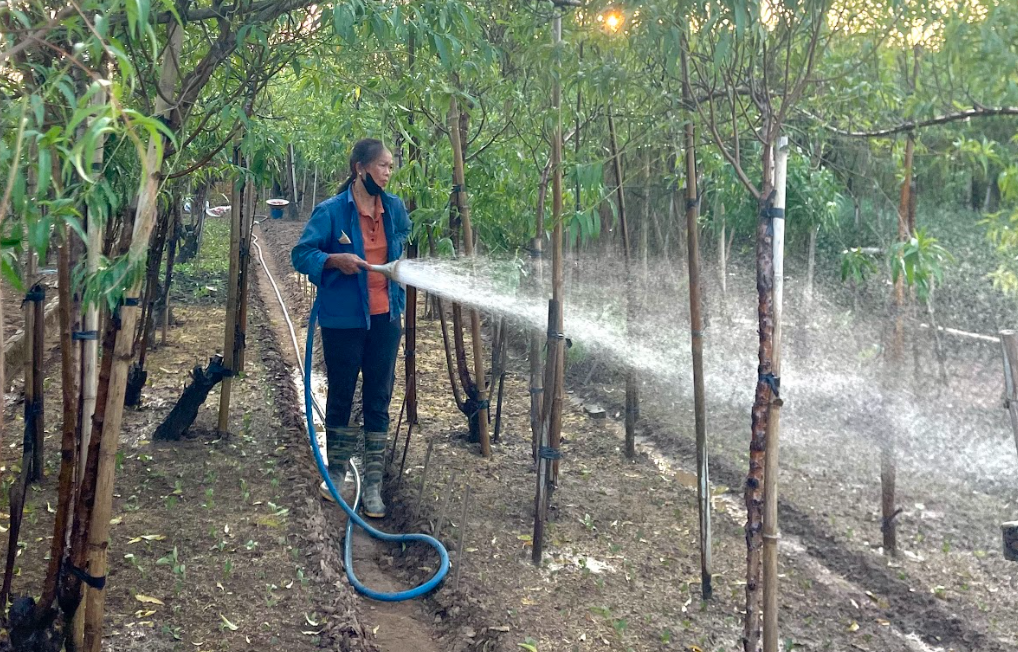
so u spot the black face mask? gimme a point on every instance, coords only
(369, 184)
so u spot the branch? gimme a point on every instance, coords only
(36, 35)
(911, 125)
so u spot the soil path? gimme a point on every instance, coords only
(395, 626)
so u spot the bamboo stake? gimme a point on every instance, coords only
(32, 411)
(90, 347)
(1009, 350)
(424, 480)
(443, 511)
(247, 225)
(39, 355)
(171, 258)
(99, 524)
(537, 276)
(292, 208)
(632, 396)
(463, 202)
(230, 337)
(770, 519)
(461, 558)
(545, 452)
(696, 328)
(314, 188)
(554, 409)
(410, 346)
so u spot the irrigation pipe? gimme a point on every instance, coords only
(310, 404)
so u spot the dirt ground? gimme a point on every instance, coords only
(222, 543)
(623, 564)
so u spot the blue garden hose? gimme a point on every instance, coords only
(351, 512)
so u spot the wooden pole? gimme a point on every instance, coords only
(557, 277)
(410, 343)
(461, 553)
(410, 347)
(696, 328)
(545, 452)
(632, 395)
(28, 368)
(109, 424)
(1009, 350)
(463, 202)
(292, 174)
(246, 226)
(770, 519)
(230, 337)
(314, 188)
(537, 278)
(171, 258)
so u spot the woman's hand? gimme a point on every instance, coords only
(346, 263)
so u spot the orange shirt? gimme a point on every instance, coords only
(376, 252)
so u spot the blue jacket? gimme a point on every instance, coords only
(343, 298)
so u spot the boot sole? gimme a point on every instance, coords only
(323, 490)
(374, 515)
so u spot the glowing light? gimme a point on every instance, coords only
(612, 20)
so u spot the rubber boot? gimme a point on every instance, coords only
(340, 446)
(374, 454)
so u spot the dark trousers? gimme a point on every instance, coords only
(371, 352)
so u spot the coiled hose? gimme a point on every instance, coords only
(352, 517)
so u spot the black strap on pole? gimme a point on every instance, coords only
(97, 583)
(772, 381)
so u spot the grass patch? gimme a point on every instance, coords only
(203, 279)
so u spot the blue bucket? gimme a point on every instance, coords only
(276, 212)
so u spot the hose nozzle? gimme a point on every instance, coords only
(387, 270)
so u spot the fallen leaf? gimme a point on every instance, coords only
(854, 627)
(375, 630)
(147, 599)
(230, 626)
(144, 613)
(310, 622)
(117, 521)
(147, 537)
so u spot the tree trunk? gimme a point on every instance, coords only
(761, 405)
(70, 322)
(138, 375)
(456, 124)
(888, 462)
(185, 411)
(120, 337)
(232, 297)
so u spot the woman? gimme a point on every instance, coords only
(359, 310)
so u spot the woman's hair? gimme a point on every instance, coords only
(365, 151)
